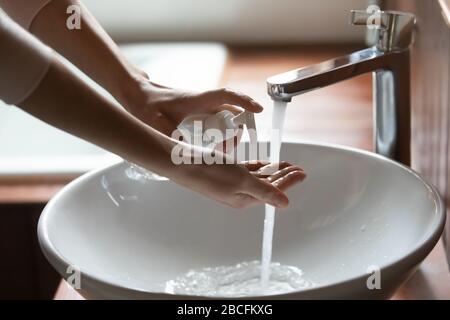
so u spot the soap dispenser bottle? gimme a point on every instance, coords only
(220, 131)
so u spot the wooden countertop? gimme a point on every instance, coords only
(339, 114)
(30, 191)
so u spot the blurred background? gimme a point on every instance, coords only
(231, 21)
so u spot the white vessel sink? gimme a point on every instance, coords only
(32, 148)
(354, 211)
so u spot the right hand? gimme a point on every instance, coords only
(242, 185)
(163, 108)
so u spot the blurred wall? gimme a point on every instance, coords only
(232, 21)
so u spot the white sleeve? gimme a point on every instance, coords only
(24, 61)
(23, 11)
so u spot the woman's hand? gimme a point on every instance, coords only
(164, 108)
(241, 185)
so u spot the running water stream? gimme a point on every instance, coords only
(278, 115)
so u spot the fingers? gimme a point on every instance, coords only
(273, 179)
(235, 110)
(266, 192)
(225, 96)
(288, 179)
(280, 174)
(272, 168)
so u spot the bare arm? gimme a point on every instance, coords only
(63, 100)
(89, 48)
(94, 52)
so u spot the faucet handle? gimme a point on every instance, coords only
(394, 28)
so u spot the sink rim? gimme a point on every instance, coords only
(420, 250)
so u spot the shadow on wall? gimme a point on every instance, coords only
(232, 21)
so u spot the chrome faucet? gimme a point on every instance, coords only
(389, 62)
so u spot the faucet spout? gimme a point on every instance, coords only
(285, 86)
(388, 61)
(391, 85)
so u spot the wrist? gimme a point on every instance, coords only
(157, 158)
(129, 92)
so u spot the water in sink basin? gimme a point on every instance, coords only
(243, 279)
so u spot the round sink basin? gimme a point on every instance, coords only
(357, 219)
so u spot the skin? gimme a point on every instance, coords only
(141, 135)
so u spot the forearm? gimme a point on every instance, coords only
(66, 102)
(89, 48)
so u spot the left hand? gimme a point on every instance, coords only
(164, 108)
